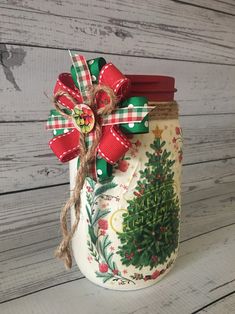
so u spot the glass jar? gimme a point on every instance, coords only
(128, 234)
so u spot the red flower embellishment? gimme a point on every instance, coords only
(103, 224)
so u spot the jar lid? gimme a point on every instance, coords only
(154, 87)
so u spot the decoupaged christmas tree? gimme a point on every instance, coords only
(150, 225)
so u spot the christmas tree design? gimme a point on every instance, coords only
(151, 224)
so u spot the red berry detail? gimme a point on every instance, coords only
(103, 267)
(123, 165)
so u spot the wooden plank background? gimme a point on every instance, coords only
(190, 40)
(182, 291)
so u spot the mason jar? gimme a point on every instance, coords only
(128, 234)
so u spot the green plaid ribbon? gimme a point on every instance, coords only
(119, 116)
(126, 115)
(82, 73)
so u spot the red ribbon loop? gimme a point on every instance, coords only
(65, 83)
(66, 146)
(113, 144)
(113, 78)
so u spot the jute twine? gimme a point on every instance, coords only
(86, 157)
(162, 110)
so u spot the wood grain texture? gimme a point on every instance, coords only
(28, 239)
(57, 7)
(198, 278)
(52, 7)
(27, 160)
(225, 6)
(226, 305)
(156, 29)
(202, 88)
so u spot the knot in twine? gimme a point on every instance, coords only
(86, 157)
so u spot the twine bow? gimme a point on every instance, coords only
(91, 116)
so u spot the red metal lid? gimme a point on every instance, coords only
(154, 87)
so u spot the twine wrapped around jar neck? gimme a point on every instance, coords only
(164, 110)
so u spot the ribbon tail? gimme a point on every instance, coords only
(58, 123)
(82, 73)
(66, 146)
(127, 115)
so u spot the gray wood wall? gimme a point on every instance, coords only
(191, 40)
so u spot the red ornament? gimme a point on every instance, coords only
(137, 194)
(103, 224)
(154, 258)
(103, 267)
(155, 274)
(177, 130)
(123, 165)
(129, 256)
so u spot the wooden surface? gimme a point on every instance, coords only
(203, 89)
(163, 29)
(190, 40)
(198, 277)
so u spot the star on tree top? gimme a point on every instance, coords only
(157, 132)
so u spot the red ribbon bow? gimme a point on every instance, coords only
(113, 144)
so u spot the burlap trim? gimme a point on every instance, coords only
(164, 110)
